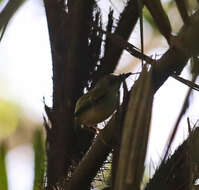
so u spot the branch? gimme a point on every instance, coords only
(180, 170)
(93, 160)
(183, 47)
(182, 112)
(160, 17)
(8, 11)
(69, 46)
(135, 134)
(181, 5)
(126, 24)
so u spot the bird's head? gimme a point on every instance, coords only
(111, 81)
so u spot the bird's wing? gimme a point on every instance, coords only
(89, 99)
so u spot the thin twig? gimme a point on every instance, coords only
(183, 111)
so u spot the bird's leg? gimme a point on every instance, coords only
(92, 128)
(96, 128)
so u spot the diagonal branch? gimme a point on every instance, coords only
(183, 10)
(160, 17)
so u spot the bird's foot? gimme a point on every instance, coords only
(96, 128)
(92, 128)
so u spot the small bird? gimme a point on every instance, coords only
(101, 101)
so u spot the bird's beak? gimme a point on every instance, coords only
(126, 75)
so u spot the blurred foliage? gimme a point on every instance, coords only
(8, 111)
(39, 150)
(9, 117)
(3, 172)
(39, 162)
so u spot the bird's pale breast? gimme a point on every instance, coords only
(100, 111)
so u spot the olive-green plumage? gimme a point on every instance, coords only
(100, 102)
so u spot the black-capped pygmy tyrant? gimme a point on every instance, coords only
(100, 102)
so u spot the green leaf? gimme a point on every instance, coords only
(39, 151)
(3, 172)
